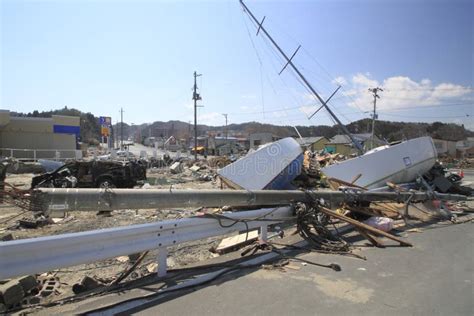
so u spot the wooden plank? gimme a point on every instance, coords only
(362, 210)
(374, 241)
(231, 243)
(346, 183)
(356, 178)
(364, 226)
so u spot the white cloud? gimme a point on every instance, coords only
(248, 96)
(308, 109)
(403, 92)
(279, 114)
(211, 118)
(340, 81)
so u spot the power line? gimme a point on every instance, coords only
(300, 75)
(121, 128)
(196, 97)
(431, 89)
(428, 106)
(374, 92)
(269, 51)
(440, 117)
(226, 131)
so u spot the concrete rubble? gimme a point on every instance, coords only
(14, 292)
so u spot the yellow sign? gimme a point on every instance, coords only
(104, 131)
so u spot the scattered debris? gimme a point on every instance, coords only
(195, 168)
(152, 267)
(6, 237)
(122, 259)
(382, 223)
(86, 284)
(219, 162)
(33, 222)
(176, 167)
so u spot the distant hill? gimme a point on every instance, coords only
(391, 131)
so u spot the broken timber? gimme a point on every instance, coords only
(116, 199)
(363, 226)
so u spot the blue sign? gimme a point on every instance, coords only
(66, 129)
(105, 121)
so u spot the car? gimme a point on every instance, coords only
(200, 150)
(119, 155)
(93, 174)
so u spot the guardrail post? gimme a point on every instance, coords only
(34, 154)
(263, 234)
(162, 264)
(11, 153)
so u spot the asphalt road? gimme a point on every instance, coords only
(433, 278)
(137, 148)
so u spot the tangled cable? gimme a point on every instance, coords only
(310, 226)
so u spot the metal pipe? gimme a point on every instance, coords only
(115, 199)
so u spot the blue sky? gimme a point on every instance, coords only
(101, 55)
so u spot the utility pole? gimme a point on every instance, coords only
(121, 129)
(300, 75)
(196, 97)
(374, 115)
(226, 131)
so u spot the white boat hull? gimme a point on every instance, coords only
(271, 167)
(399, 163)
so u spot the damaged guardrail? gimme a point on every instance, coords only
(36, 255)
(116, 199)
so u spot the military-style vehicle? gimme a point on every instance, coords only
(93, 174)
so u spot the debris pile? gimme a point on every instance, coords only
(328, 225)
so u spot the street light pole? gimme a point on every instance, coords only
(226, 131)
(196, 97)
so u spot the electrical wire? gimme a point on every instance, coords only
(310, 225)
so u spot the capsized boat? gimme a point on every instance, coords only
(271, 167)
(399, 163)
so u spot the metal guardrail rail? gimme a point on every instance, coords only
(36, 255)
(35, 154)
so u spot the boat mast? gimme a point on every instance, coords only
(308, 85)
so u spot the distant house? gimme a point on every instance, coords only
(465, 148)
(221, 145)
(445, 147)
(342, 144)
(313, 143)
(149, 141)
(257, 139)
